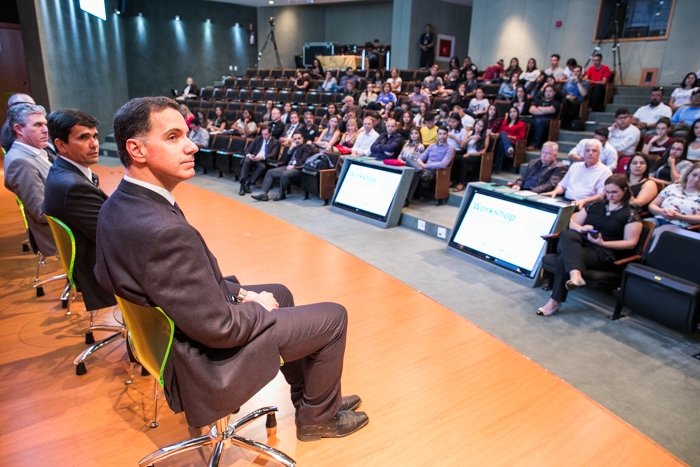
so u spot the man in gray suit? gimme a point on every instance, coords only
(6, 138)
(228, 339)
(542, 174)
(27, 165)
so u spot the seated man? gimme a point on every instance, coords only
(543, 111)
(290, 128)
(309, 130)
(348, 104)
(191, 91)
(437, 156)
(687, 114)
(465, 119)
(433, 82)
(608, 154)
(624, 136)
(73, 196)
(6, 138)
(597, 76)
(288, 171)
(348, 115)
(389, 144)
(26, 167)
(416, 97)
(429, 132)
(542, 174)
(493, 72)
(451, 82)
(555, 70)
(645, 117)
(264, 148)
(228, 340)
(350, 91)
(584, 183)
(365, 139)
(349, 76)
(276, 124)
(575, 90)
(198, 135)
(471, 83)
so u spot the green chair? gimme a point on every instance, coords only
(150, 337)
(65, 244)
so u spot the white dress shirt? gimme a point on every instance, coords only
(364, 141)
(158, 189)
(581, 182)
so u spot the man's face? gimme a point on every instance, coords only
(368, 124)
(349, 72)
(166, 150)
(601, 138)
(297, 139)
(416, 89)
(309, 120)
(554, 62)
(433, 71)
(548, 155)
(577, 73)
(454, 74)
(275, 114)
(549, 93)
(190, 81)
(591, 155)
(470, 75)
(348, 102)
(623, 121)
(349, 85)
(293, 119)
(35, 133)
(82, 146)
(265, 134)
(390, 127)
(656, 97)
(597, 61)
(442, 136)
(695, 100)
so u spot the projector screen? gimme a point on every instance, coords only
(94, 7)
(368, 190)
(504, 231)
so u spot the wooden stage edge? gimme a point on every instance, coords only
(438, 390)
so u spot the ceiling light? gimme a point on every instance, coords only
(117, 12)
(177, 17)
(208, 20)
(236, 25)
(140, 15)
(271, 2)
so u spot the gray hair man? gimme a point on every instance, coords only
(6, 138)
(542, 174)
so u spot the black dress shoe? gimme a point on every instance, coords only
(350, 402)
(279, 197)
(260, 197)
(342, 424)
(247, 188)
(242, 191)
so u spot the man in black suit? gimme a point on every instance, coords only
(389, 144)
(289, 170)
(290, 128)
(190, 91)
(73, 195)
(543, 174)
(264, 148)
(276, 124)
(228, 340)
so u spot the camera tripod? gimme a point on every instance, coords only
(617, 53)
(270, 38)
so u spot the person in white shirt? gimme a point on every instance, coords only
(479, 104)
(624, 136)
(555, 70)
(365, 139)
(395, 81)
(531, 72)
(198, 135)
(608, 154)
(645, 117)
(681, 96)
(584, 183)
(465, 119)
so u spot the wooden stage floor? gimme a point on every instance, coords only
(438, 390)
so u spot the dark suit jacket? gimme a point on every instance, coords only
(223, 352)
(386, 143)
(273, 148)
(276, 128)
(193, 90)
(301, 153)
(548, 179)
(73, 199)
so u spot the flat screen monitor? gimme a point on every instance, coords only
(504, 231)
(94, 7)
(368, 190)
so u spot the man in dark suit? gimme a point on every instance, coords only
(73, 195)
(228, 339)
(289, 170)
(542, 174)
(276, 124)
(290, 128)
(389, 144)
(190, 91)
(264, 148)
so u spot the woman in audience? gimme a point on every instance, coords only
(477, 144)
(507, 89)
(316, 70)
(331, 111)
(286, 109)
(203, 120)
(521, 101)
(681, 96)
(672, 165)
(512, 129)
(268, 109)
(479, 105)
(658, 144)
(460, 97)
(420, 115)
(245, 126)
(443, 116)
(330, 84)
(531, 72)
(692, 142)
(642, 188)
(456, 135)
(598, 235)
(219, 123)
(454, 64)
(386, 95)
(395, 81)
(367, 97)
(679, 203)
(186, 114)
(388, 110)
(535, 88)
(413, 148)
(330, 136)
(300, 82)
(377, 78)
(347, 141)
(405, 124)
(493, 120)
(513, 68)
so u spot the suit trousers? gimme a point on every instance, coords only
(285, 177)
(311, 341)
(258, 168)
(540, 131)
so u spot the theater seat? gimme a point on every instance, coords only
(320, 183)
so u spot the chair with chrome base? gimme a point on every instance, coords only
(150, 336)
(65, 243)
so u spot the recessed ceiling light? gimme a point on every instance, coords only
(140, 14)
(208, 20)
(271, 2)
(177, 17)
(236, 25)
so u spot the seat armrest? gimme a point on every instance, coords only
(552, 236)
(628, 260)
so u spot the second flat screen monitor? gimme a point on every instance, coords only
(368, 190)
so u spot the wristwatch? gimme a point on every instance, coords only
(241, 294)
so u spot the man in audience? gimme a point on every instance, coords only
(350, 114)
(289, 170)
(542, 174)
(645, 117)
(350, 91)
(348, 104)
(433, 82)
(569, 69)
(309, 130)
(290, 128)
(377, 122)
(426, 43)
(493, 72)
(451, 82)
(687, 114)
(389, 144)
(437, 156)
(575, 90)
(598, 76)
(264, 148)
(584, 183)
(416, 97)
(624, 136)
(276, 124)
(228, 340)
(349, 76)
(555, 70)
(365, 139)
(191, 91)
(471, 83)
(429, 131)
(26, 167)
(198, 135)
(73, 196)
(465, 119)
(608, 154)
(6, 138)
(468, 65)
(543, 111)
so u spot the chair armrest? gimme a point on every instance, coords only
(628, 260)
(693, 228)
(549, 237)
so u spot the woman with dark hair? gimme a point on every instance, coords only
(454, 64)
(245, 126)
(658, 144)
(642, 188)
(513, 68)
(266, 117)
(679, 203)
(316, 70)
(330, 136)
(531, 72)
(512, 129)
(507, 89)
(219, 123)
(477, 143)
(681, 96)
(672, 164)
(203, 120)
(598, 235)
(692, 142)
(386, 95)
(493, 120)
(441, 119)
(388, 110)
(329, 84)
(331, 111)
(301, 83)
(521, 101)
(460, 97)
(420, 115)
(456, 134)
(413, 148)
(377, 77)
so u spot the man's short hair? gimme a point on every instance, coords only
(551, 144)
(19, 113)
(556, 55)
(621, 111)
(349, 68)
(61, 122)
(602, 131)
(429, 117)
(294, 112)
(593, 142)
(133, 119)
(19, 99)
(658, 89)
(549, 86)
(307, 113)
(264, 127)
(443, 128)
(297, 133)
(598, 54)
(571, 62)
(665, 120)
(577, 66)
(196, 122)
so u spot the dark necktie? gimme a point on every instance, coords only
(95, 181)
(179, 211)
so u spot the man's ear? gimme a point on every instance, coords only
(136, 150)
(60, 146)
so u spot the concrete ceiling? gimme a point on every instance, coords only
(264, 3)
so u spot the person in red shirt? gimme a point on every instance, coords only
(598, 76)
(512, 129)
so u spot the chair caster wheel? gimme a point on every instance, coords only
(80, 369)
(39, 291)
(154, 425)
(89, 338)
(271, 420)
(144, 371)
(25, 248)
